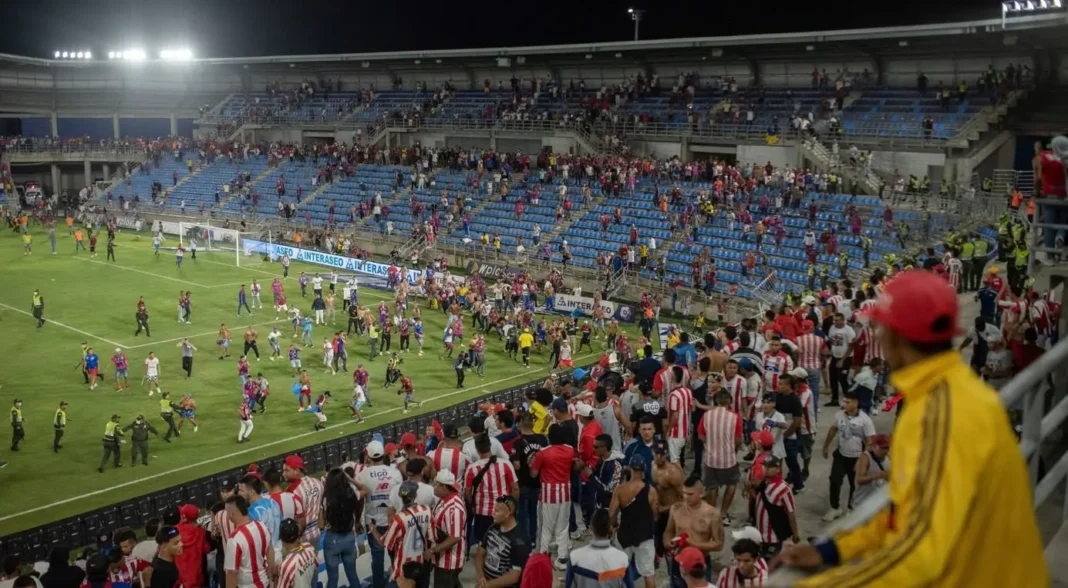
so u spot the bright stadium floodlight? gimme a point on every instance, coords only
(1019, 7)
(183, 54)
(79, 55)
(88, 54)
(65, 55)
(134, 55)
(111, 55)
(57, 54)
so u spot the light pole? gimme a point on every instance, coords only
(636, 16)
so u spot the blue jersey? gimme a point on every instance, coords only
(92, 361)
(241, 294)
(307, 324)
(987, 301)
(419, 330)
(269, 513)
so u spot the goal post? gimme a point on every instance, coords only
(246, 248)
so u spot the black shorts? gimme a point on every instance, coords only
(717, 478)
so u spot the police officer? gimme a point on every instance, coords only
(59, 423)
(112, 439)
(37, 308)
(865, 242)
(967, 252)
(825, 277)
(811, 276)
(142, 322)
(843, 265)
(982, 248)
(372, 335)
(354, 319)
(166, 412)
(111, 248)
(17, 432)
(139, 438)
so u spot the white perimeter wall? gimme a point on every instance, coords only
(779, 156)
(917, 164)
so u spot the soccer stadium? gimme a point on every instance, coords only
(614, 313)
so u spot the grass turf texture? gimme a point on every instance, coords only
(95, 302)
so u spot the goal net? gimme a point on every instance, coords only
(229, 244)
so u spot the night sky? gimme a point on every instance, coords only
(250, 28)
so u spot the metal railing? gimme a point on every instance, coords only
(1042, 205)
(1027, 390)
(32, 147)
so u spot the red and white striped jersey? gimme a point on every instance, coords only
(720, 428)
(450, 458)
(810, 351)
(808, 406)
(310, 493)
(291, 505)
(730, 346)
(754, 389)
(872, 348)
(866, 307)
(835, 300)
(736, 388)
(496, 483)
(246, 554)
(778, 493)
(732, 578)
(775, 365)
(244, 412)
(299, 569)
(129, 570)
(407, 536)
(680, 403)
(222, 525)
(450, 517)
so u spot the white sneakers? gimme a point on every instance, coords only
(833, 514)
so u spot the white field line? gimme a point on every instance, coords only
(235, 266)
(49, 321)
(154, 275)
(231, 454)
(204, 334)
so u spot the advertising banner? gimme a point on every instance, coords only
(338, 262)
(489, 270)
(566, 303)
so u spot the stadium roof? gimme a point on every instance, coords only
(1036, 31)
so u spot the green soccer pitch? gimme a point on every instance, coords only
(92, 300)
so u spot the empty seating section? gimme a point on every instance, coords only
(140, 183)
(391, 101)
(892, 112)
(320, 107)
(348, 193)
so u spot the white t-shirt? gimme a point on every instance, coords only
(852, 432)
(146, 550)
(152, 366)
(471, 454)
(839, 339)
(999, 362)
(317, 283)
(424, 496)
(778, 450)
(380, 480)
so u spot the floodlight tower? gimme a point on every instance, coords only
(636, 15)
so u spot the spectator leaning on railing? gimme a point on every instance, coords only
(959, 490)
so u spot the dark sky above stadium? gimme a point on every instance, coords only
(221, 28)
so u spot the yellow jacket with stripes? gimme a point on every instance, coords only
(960, 511)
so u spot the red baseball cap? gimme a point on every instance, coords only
(408, 440)
(765, 438)
(391, 448)
(189, 512)
(295, 461)
(919, 306)
(690, 559)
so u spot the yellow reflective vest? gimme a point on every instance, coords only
(959, 493)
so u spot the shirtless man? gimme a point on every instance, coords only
(635, 523)
(667, 477)
(718, 358)
(699, 521)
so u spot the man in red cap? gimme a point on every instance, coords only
(955, 458)
(693, 567)
(309, 490)
(194, 547)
